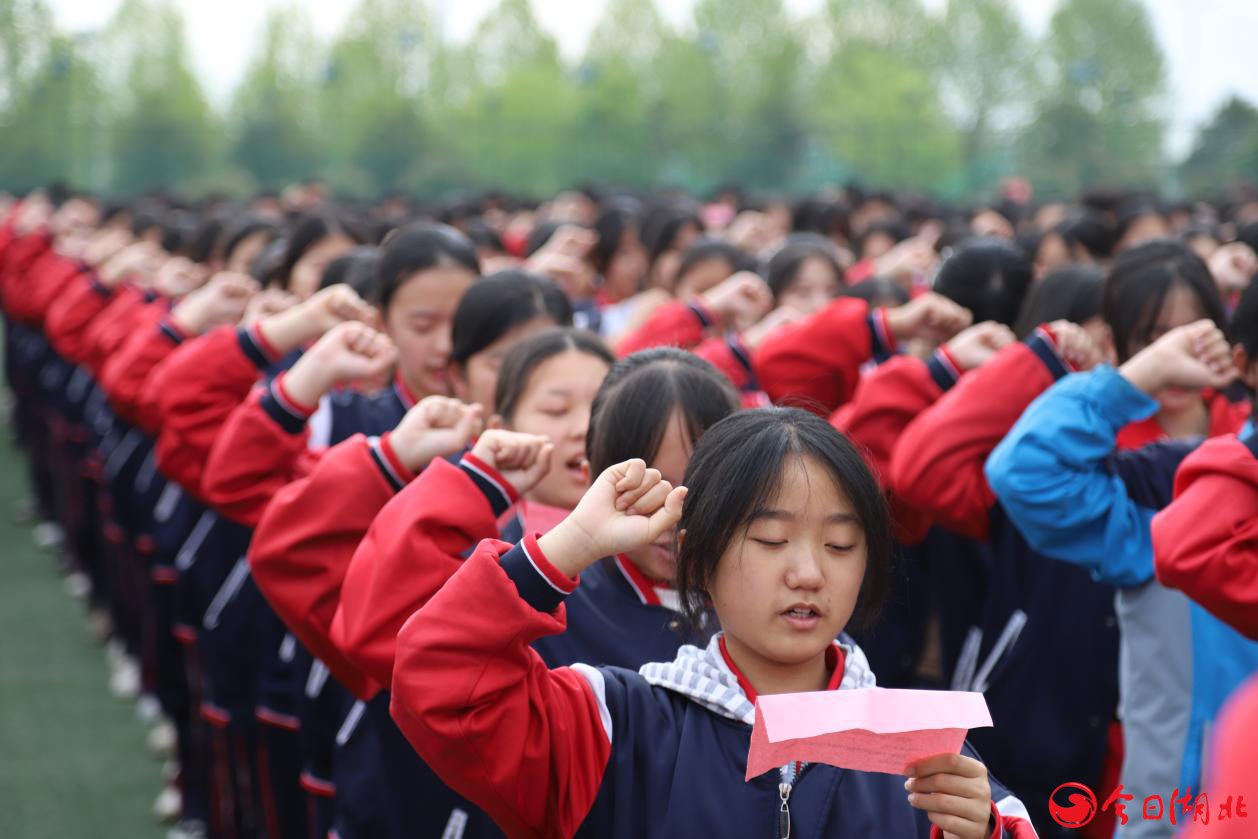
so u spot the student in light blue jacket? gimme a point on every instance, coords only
(1076, 498)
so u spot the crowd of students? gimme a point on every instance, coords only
(494, 517)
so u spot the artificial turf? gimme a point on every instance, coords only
(72, 759)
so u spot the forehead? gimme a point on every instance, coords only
(806, 486)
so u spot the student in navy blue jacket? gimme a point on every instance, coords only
(786, 534)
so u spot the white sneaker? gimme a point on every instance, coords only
(48, 535)
(168, 805)
(187, 829)
(99, 625)
(78, 585)
(148, 709)
(124, 682)
(161, 740)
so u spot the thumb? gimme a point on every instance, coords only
(469, 425)
(668, 515)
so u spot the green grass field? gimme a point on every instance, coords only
(72, 759)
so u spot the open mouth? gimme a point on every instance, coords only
(802, 617)
(574, 467)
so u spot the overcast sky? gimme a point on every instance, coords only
(1209, 43)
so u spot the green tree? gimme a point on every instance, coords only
(25, 41)
(510, 126)
(1096, 117)
(877, 103)
(274, 108)
(372, 82)
(1226, 150)
(163, 132)
(612, 136)
(49, 127)
(983, 73)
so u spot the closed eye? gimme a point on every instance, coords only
(840, 548)
(770, 543)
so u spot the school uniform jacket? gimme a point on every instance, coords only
(816, 363)
(196, 389)
(125, 372)
(608, 751)
(1076, 499)
(1035, 623)
(1206, 542)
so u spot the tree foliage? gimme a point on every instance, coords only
(948, 97)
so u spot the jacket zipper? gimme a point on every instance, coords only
(789, 774)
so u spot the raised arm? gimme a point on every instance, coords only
(816, 363)
(938, 464)
(527, 744)
(421, 537)
(1057, 477)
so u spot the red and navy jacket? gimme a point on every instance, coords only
(1019, 644)
(126, 371)
(1205, 543)
(299, 561)
(608, 751)
(816, 363)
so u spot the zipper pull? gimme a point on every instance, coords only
(784, 812)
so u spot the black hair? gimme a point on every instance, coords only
(1071, 292)
(484, 237)
(988, 276)
(267, 264)
(244, 227)
(495, 305)
(308, 232)
(885, 227)
(533, 351)
(1243, 329)
(1131, 212)
(359, 269)
(636, 402)
(1140, 280)
(707, 249)
(878, 291)
(419, 247)
(784, 265)
(611, 226)
(735, 470)
(1089, 230)
(661, 228)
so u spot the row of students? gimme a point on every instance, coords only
(250, 446)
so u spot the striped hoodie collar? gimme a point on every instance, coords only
(703, 677)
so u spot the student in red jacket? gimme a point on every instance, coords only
(785, 535)
(1205, 543)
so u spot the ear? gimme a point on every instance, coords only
(495, 421)
(1247, 366)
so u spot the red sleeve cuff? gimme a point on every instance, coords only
(1046, 332)
(289, 403)
(263, 344)
(884, 325)
(395, 463)
(539, 561)
(493, 475)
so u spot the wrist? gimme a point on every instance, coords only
(187, 322)
(569, 548)
(304, 386)
(286, 331)
(1142, 373)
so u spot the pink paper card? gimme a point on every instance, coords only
(870, 729)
